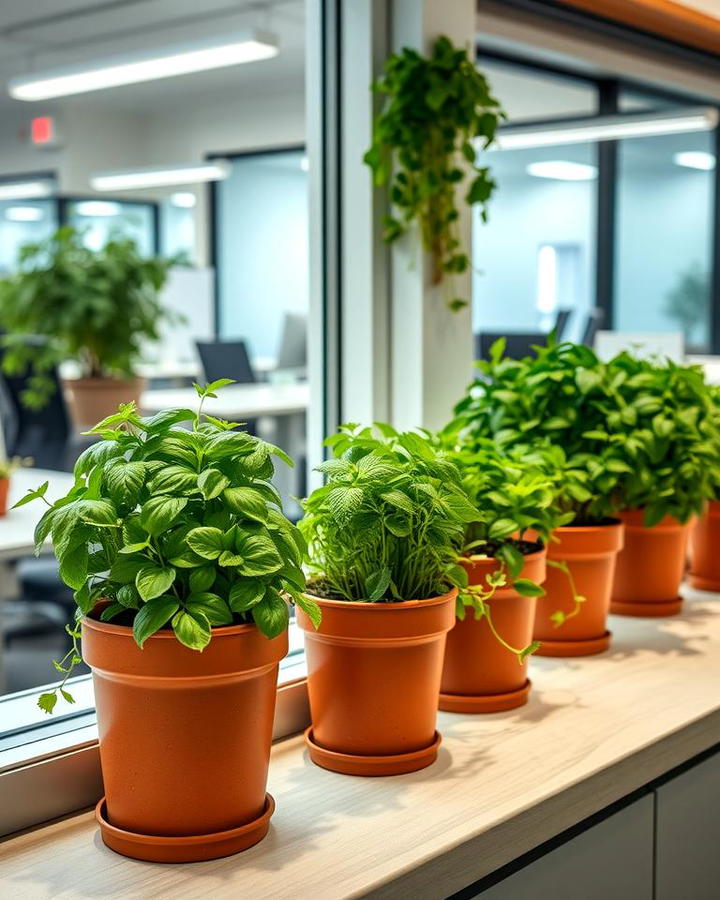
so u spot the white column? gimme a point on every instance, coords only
(431, 347)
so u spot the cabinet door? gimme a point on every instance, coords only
(612, 860)
(688, 834)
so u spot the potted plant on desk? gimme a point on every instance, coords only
(559, 402)
(7, 467)
(182, 562)
(95, 308)
(704, 539)
(382, 540)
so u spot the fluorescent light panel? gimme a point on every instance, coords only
(183, 199)
(96, 208)
(184, 59)
(562, 170)
(160, 176)
(24, 214)
(25, 190)
(583, 131)
(695, 159)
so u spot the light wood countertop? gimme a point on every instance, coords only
(594, 730)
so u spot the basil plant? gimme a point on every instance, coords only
(178, 527)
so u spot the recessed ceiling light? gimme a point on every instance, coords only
(24, 214)
(695, 159)
(183, 199)
(160, 176)
(305, 163)
(605, 128)
(562, 170)
(25, 190)
(97, 208)
(178, 59)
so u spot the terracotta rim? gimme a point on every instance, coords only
(362, 606)
(650, 610)
(703, 584)
(490, 703)
(193, 848)
(163, 634)
(352, 764)
(586, 647)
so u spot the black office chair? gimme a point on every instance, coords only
(561, 321)
(293, 343)
(228, 359)
(518, 344)
(594, 320)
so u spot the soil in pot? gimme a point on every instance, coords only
(92, 399)
(373, 683)
(480, 675)
(590, 552)
(704, 547)
(650, 567)
(184, 740)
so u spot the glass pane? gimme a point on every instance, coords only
(535, 257)
(664, 227)
(99, 220)
(23, 222)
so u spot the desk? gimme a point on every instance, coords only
(18, 526)
(594, 731)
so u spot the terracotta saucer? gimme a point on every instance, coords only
(587, 647)
(647, 610)
(487, 703)
(703, 584)
(351, 764)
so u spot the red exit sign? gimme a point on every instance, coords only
(43, 131)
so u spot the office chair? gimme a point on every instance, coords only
(226, 359)
(293, 342)
(593, 322)
(561, 321)
(518, 344)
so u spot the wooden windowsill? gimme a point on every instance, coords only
(595, 730)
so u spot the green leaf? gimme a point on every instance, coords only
(310, 607)
(124, 481)
(260, 556)
(271, 614)
(125, 568)
(192, 629)
(212, 483)
(28, 498)
(175, 479)
(529, 650)
(128, 596)
(152, 616)
(502, 528)
(206, 542)
(376, 584)
(214, 608)
(152, 581)
(246, 501)
(202, 579)
(74, 567)
(245, 593)
(527, 588)
(159, 513)
(110, 611)
(166, 418)
(47, 701)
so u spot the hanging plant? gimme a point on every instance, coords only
(436, 107)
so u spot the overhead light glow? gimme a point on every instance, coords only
(184, 59)
(160, 176)
(695, 159)
(24, 214)
(25, 190)
(562, 170)
(605, 128)
(97, 208)
(183, 199)
(305, 164)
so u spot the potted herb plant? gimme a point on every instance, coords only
(503, 553)
(668, 429)
(97, 308)
(382, 537)
(704, 539)
(7, 467)
(182, 562)
(558, 402)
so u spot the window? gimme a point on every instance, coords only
(102, 219)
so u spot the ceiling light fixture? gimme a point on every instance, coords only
(183, 199)
(695, 159)
(562, 170)
(160, 176)
(178, 59)
(24, 214)
(605, 128)
(97, 208)
(25, 190)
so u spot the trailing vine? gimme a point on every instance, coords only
(436, 107)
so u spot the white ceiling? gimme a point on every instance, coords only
(38, 34)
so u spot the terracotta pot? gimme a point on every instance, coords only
(92, 399)
(704, 548)
(373, 682)
(590, 552)
(479, 674)
(184, 740)
(650, 567)
(4, 488)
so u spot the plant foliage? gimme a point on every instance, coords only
(388, 524)
(175, 527)
(435, 109)
(96, 307)
(634, 433)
